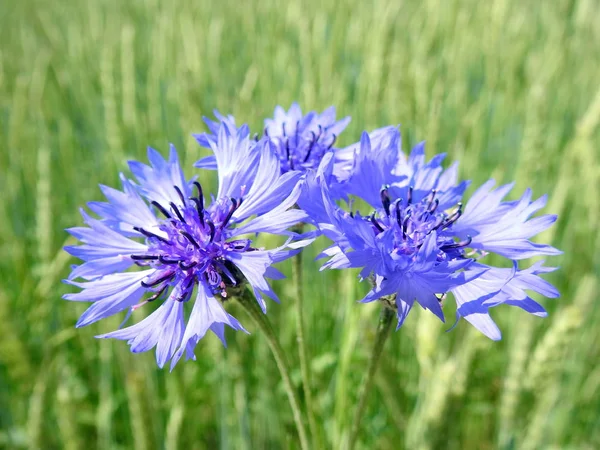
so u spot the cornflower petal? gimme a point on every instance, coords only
(104, 251)
(157, 181)
(254, 267)
(162, 329)
(205, 139)
(345, 157)
(124, 210)
(206, 313)
(503, 227)
(269, 188)
(277, 220)
(371, 168)
(236, 161)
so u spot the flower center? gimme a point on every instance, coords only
(409, 223)
(190, 245)
(301, 149)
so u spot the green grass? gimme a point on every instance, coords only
(510, 88)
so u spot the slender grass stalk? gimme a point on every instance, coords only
(261, 321)
(383, 331)
(349, 316)
(302, 351)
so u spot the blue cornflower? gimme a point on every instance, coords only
(162, 224)
(419, 243)
(299, 140)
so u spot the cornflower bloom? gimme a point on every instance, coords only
(420, 243)
(161, 224)
(299, 140)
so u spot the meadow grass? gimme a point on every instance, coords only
(510, 88)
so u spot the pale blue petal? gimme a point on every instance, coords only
(207, 312)
(253, 266)
(237, 162)
(269, 189)
(156, 182)
(163, 328)
(208, 163)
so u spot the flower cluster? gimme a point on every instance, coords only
(418, 244)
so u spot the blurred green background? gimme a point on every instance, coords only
(510, 88)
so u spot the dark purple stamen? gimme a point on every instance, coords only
(183, 266)
(399, 212)
(175, 209)
(283, 127)
(374, 222)
(431, 198)
(161, 209)
(409, 197)
(148, 234)
(460, 244)
(211, 225)
(200, 194)
(433, 206)
(144, 257)
(163, 259)
(180, 195)
(190, 239)
(332, 141)
(453, 217)
(266, 132)
(199, 202)
(157, 294)
(199, 189)
(234, 206)
(142, 263)
(439, 222)
(168, 276)
(199, 209)
(310, 146)
(239, 245)
(385, 200)
(186, 290)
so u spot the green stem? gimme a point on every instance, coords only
(302, 352)
(383, 331)
(260, 320)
